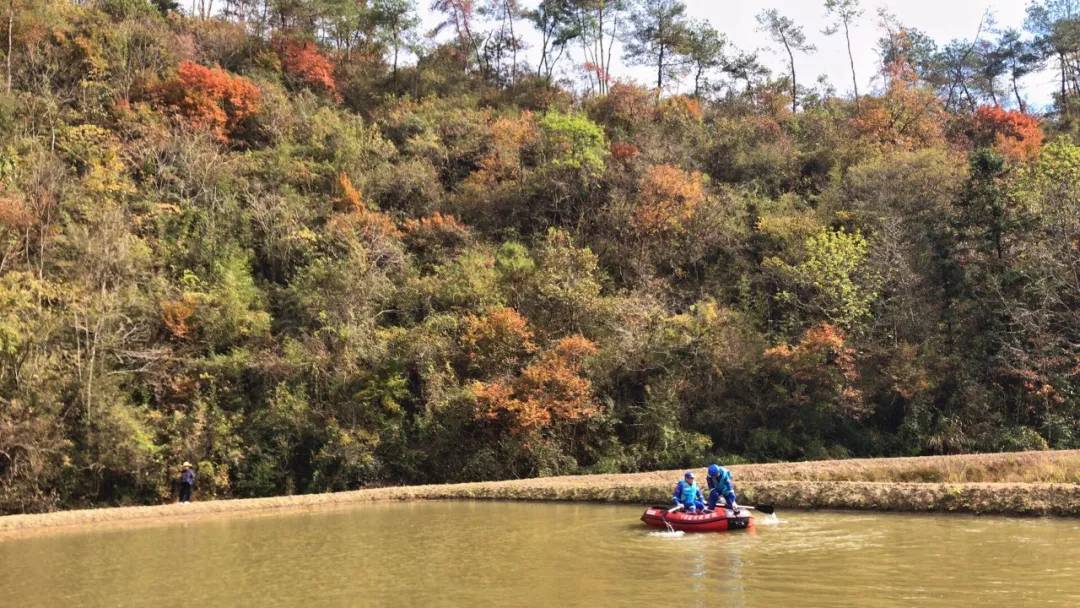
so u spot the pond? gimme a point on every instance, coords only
(533, 554)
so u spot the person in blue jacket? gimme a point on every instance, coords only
(687, 494)
(719, 481)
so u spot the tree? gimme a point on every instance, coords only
(1012, 133)
(304, 64)
(784, 31)
(745, 66)
(461, 15)
(210, 98)
(1021, 58)
(598, 22)
(555, 21)
(502, 39)
(395, 19)
(658, 38)
(844, 12)
(1056, 27)
(705, 51)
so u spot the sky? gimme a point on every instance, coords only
(943, 20)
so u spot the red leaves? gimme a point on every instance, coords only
(209, 98)
(624, 151)
(304, 62)
(1012, 133)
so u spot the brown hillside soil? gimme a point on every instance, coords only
(1022, 483)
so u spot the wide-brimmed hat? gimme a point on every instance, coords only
(186, 465)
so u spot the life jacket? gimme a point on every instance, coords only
(688, 493)
(722, 481)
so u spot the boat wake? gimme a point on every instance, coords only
(769, 520)
(667, 534)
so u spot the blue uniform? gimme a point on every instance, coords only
(720, 485)
(689, 496)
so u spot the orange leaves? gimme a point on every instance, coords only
(667, 199)
(304, 62)
(1012, 133)
(511, 136)
(175, 314)
(209, 98)
(498, 340)
(357, 217)
(549, 391)
(907, 116)
(435, 232)
(681, 108)
(822, 368)
(13, 213)
(350, 200)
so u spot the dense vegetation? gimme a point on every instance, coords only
(259, 239)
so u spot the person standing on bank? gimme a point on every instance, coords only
(187, 482)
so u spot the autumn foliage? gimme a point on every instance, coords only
(436, 232)
(498, 340)
(209, 98)
(303, 62)
(624, 151)
(907, 117)
(357, 217)
(511, 137)
(549, 391)
(1014, 134)
(13, 213)
(667, 199)
(820, 370)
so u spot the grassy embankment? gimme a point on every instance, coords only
(1022, 483)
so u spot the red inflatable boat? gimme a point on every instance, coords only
(717, 521)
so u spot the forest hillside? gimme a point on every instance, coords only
(309, 247)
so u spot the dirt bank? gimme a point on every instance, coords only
(1025, 483)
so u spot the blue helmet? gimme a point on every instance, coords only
(689, 474)
(714, 470)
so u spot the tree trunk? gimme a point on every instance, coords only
(600, 53)
(660, 72)
(397, 46)
(851, 60)
(1019, 99)
(794, 87)
(513, 41)
(10, 33)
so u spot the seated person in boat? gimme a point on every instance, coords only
(687, 495)
(719, 481)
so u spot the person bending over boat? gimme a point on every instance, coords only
(719, 481)
(687, 494)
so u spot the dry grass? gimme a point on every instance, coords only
(1024, 483)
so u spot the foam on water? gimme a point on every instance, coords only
(768, 520)
(666, 534)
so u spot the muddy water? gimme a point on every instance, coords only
(527, 554)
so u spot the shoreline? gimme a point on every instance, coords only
(1017, 484)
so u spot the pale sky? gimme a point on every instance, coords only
(943, 20)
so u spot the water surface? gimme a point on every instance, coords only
(532, 554)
